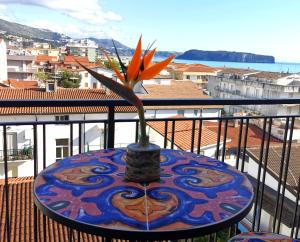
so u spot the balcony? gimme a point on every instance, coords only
(21, 70)
(244, 142)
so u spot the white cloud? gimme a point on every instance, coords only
(2, 7)
(88, 11)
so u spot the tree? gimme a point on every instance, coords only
(42, 76)
(69, 79)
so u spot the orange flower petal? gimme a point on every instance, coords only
(119, 75)
(155, 69)
(148, 58)
(134, 66)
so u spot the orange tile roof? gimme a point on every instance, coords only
(253, 138)
(60, 94)
(274, 163)
(68, 59)
(21, 84)
(183, 133)
(177, 89)
(21, 215)
(45, 58)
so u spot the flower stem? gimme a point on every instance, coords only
(143, 139)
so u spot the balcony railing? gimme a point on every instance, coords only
(275, 179)
(17, 154)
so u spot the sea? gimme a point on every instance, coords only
(273, 67)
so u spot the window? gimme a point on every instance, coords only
(180, 112)
(62, 118)
(94, 85)
(198, 77)
(188, 77)
(51, 87)
(62, 148)
(86, 84)
(196, 112)
(86, 74)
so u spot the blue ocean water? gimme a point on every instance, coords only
(274, 67)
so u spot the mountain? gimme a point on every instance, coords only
(124, 50)
(225, 56)
(32, 33)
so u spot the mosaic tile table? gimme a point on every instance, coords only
(196, 195)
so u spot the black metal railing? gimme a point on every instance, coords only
(283, 192)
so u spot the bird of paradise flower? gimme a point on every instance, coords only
(140, 68)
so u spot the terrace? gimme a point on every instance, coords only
(269, 162)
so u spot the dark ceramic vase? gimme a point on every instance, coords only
(142, 163)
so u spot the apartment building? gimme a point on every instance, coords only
(85, 48)
(243, 83)
(3, 61)
(21, 67)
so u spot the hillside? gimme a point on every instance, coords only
(31, 33)
(225, 56)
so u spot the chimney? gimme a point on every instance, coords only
(51, 85)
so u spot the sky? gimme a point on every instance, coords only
(269, 27)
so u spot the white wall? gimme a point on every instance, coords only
(3, 61)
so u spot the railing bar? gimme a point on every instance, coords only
(264, 172)
(105, 136)
(29, 123)
(44, 146)
(296, 209)
(245, 145)
(78, 236)
(84, 138)
(297, 228)
(7, 223)
(35, 164)
(173, 134)
(136, 131)
(224, 140)
(80, 138)
(286, 171)
(281, 171)
(111, 127)
(237, 164)
(193, 135)
(199, 137)
(259, 172)
(71, 139)
(166, 135)
(218, 138)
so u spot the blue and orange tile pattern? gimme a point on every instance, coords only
(194, 191)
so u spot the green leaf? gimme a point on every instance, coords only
(123, 91)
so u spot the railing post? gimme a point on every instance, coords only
(111, 127)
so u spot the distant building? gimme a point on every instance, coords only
(196, 73)
(21, 67)
(3, 61)
(88, 81)
(85, 48)
(243, 83)
(178, 89)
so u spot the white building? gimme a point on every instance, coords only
(3, 61)
(84, 47)
(21, 67)
(88, 81)
(242, 83)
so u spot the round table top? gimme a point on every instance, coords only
(196, 195)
